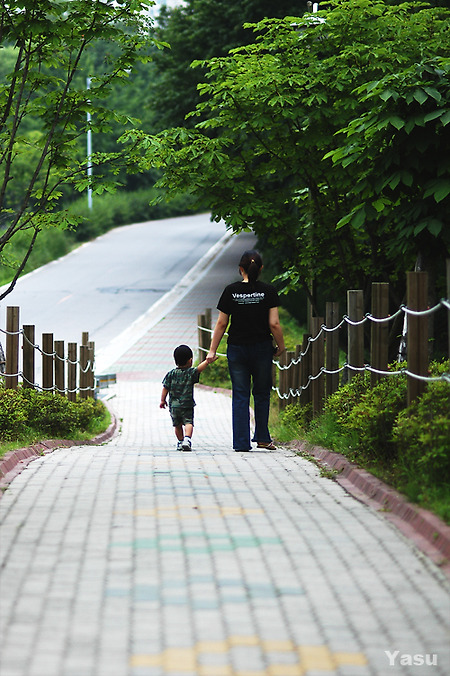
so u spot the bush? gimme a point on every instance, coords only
(27, 411)
(50, 244)
(422, 436)
(13, 415)
(374, 416)
(123, 208)
(341, 403)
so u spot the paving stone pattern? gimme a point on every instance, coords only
(133, 559)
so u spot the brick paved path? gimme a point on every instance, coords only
(133, 559)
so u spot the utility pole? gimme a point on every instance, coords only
(89, 147)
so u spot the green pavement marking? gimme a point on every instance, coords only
(220, 542)
(181, 592)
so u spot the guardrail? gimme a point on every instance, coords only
(312, 370)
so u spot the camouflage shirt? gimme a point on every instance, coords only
(180, 383)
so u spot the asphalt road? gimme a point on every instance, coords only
(107, 284)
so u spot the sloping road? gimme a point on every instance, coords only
(105, 285)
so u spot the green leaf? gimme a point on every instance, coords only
(433, 93)
(378, 205)
(407, 178)
(433, 115)
(420, 96)
(445, 119)
(396, 121)
(439, 189)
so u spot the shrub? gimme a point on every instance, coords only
(291, 422)
(13, 415)
(27, 411)
(217, 374)
(342, 402)
(122, 208)
(422, 436)
(297, 416)
(50, 244)
(374, 416)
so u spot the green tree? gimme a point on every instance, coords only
(267, 128)
(399, 151)
(201, 29)
(44, 101)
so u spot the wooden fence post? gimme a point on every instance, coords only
(290, 356)
(332, 347)
(207, 334)
(201, 323)
(417, 336)
(83, 381)
(306, 368)
(12, 348)
(318, 361)
(91, 375)
(47, 362)
(59, 367)
(282, 381)
(28, 356)
(296, 377)
(379, 332)
(72, 371)
(448, 298)
(355, 344)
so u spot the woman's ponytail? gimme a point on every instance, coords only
(251, 263)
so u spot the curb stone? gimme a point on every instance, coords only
(430, 534)
(15, 461)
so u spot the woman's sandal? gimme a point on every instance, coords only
(269, 445)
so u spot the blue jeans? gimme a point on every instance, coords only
(250, 365)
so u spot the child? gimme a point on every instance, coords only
(179, 385)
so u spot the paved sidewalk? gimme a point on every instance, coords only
(133, 559)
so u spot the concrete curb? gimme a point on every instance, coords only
(428, 531)
(15, 461)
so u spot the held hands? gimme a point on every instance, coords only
(211, 356)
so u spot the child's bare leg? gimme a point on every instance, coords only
(179, 432)
(188, 430)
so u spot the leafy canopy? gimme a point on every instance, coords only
(45, 101)
(297, 138)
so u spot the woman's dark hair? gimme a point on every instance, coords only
(251, 263)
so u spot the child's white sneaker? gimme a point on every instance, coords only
(187, 445)
(180, 446)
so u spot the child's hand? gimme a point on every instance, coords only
(163, 404)
(211, 357)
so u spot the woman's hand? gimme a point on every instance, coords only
(279, 351)
(211, 356)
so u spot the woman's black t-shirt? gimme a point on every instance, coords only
(249, 309)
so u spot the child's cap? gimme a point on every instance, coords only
(182, 354)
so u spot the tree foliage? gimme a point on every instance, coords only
(44, 101)
(201, 29)
(298, 137)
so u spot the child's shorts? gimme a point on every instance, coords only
(182, 416)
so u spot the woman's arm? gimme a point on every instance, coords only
(219, 330)
(276, 330)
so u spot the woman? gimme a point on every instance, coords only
(253, 308)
